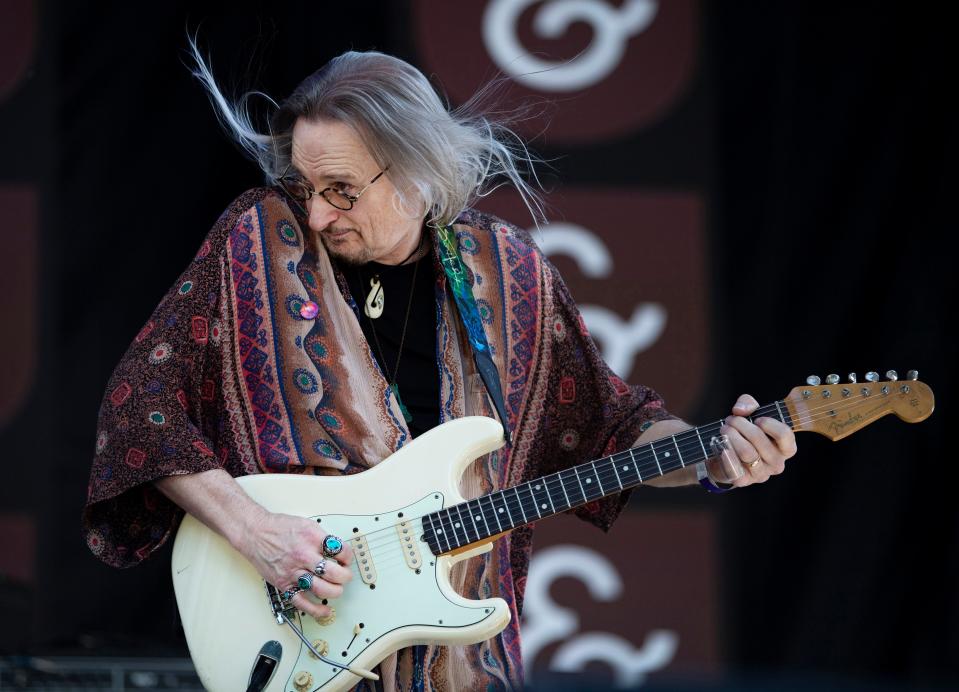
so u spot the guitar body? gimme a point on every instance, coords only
(403, 600)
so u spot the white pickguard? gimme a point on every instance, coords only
(224, 603)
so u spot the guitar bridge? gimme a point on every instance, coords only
(282, 610)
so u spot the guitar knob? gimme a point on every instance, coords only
(872, 376)
(852, 377)
(892, 375)
(322, 646)
(812, 380)
(912, 375)
(326, 619)
(832, 379)
(303, 681)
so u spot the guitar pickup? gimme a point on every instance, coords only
(364, 559)
(409, 546)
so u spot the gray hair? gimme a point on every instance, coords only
(448, 157)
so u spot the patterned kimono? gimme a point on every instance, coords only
(228, 374)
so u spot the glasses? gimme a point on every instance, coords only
(303, 192)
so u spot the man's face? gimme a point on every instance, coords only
(330, 154)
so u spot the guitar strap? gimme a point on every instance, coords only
(463, 294)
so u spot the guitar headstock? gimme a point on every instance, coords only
(839, 409)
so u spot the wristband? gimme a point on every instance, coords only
(703, 477)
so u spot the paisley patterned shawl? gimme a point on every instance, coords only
(227, 374)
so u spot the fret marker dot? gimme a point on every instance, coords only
(543, 506)
(500, 510)
(478, 518)
(537, 487)
(439, 530)
(626, 468)
(666, 454)
(457, 524)
(589, 480)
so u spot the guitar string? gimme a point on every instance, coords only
(688, 440)
(606, 476)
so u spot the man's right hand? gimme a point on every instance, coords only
(279, 546)
(282, 547)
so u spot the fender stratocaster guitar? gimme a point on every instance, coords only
(407, 525)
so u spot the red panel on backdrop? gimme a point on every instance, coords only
(18, 536)
(636, 602)
(18, 33)
(612, 68)
(634, 260)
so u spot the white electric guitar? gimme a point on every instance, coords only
(407, 525)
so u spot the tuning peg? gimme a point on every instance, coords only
(832, 379)
(892, 375)
(852, 377)
(872, 376)
(912, 375)
(812, 380)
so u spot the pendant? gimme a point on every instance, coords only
(407, 416)
(373, 307)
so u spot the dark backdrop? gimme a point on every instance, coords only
(829, 220)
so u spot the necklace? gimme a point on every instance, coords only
(376, 298)
(407, 416)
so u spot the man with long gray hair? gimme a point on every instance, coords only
(351, 305)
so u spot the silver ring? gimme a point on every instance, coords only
(320, 568)
(332, 546)
(288, 595)
(305, 581)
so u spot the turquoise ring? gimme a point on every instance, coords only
(305, 581)
(332, 546)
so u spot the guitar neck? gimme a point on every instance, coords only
(452, 528)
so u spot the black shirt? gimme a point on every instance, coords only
(418, 374)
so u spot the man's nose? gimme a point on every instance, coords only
(322, 213)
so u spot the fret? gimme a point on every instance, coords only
(496, 511)
(512, 523)
(440, 534)
(539, 488)
(472, 514)
(574, 500)
(581, 488)
(681, 461)
(459, 513)
(652, 446)
(700, 438)
(448, 529)
(485, 516)
(549, 493)
(458, 524)
(519, 500)
(613, 464)
(429, 534)
(635, 466)
(529, 489)
(598, 481)
(591, 486)
(562, 484)
(784, 415)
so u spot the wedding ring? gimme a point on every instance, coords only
(750, 464)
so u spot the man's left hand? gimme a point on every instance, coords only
(761, 446)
